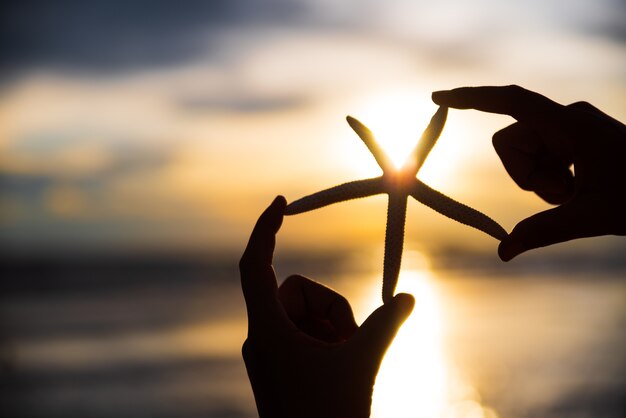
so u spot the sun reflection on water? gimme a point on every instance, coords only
(416, 378)
(412, 378)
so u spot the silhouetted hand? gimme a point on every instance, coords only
(305, 355)
(538, 151)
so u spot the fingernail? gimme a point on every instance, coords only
(275, 212)
(276, 209)
(439, 95)
(510, 249)
(405, 301)
(279, 201)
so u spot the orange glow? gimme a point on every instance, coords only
(397, 118)
(412, 379)
(417, 378)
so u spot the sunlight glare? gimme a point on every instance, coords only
(412, 378)
(397, 119)
(416, 378)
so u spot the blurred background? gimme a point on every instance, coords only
(140, 140)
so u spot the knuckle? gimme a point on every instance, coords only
(516, 92)
(525, 183)
(245, 349)
(497, 140)
(582, 105)
(503, 143)
(514, 88)
(295, 280)
(245, 264)
(341, 300)
(243, 261)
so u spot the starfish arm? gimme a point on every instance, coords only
(394, 241)
(429, 138)
(456, 210)
(346, 191)
(370, 142)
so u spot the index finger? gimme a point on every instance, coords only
(524, 105)
(258, 280)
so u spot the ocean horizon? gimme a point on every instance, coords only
(160, 336)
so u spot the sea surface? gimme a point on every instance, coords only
(160, 336)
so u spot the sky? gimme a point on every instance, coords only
(169, 125)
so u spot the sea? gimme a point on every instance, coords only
(160, 335)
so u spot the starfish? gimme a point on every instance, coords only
(399, 184)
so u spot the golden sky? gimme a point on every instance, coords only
(168, 138)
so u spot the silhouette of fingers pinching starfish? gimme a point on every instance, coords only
(399, 184)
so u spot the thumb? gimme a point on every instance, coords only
(378, 331)
(552, 226)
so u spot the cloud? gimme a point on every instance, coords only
(79, 159)
(66, 201)
(242, 104)
(610, 23)
(27, 185)
(114, 35)
(73, 179)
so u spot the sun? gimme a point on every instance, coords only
(397, 119)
